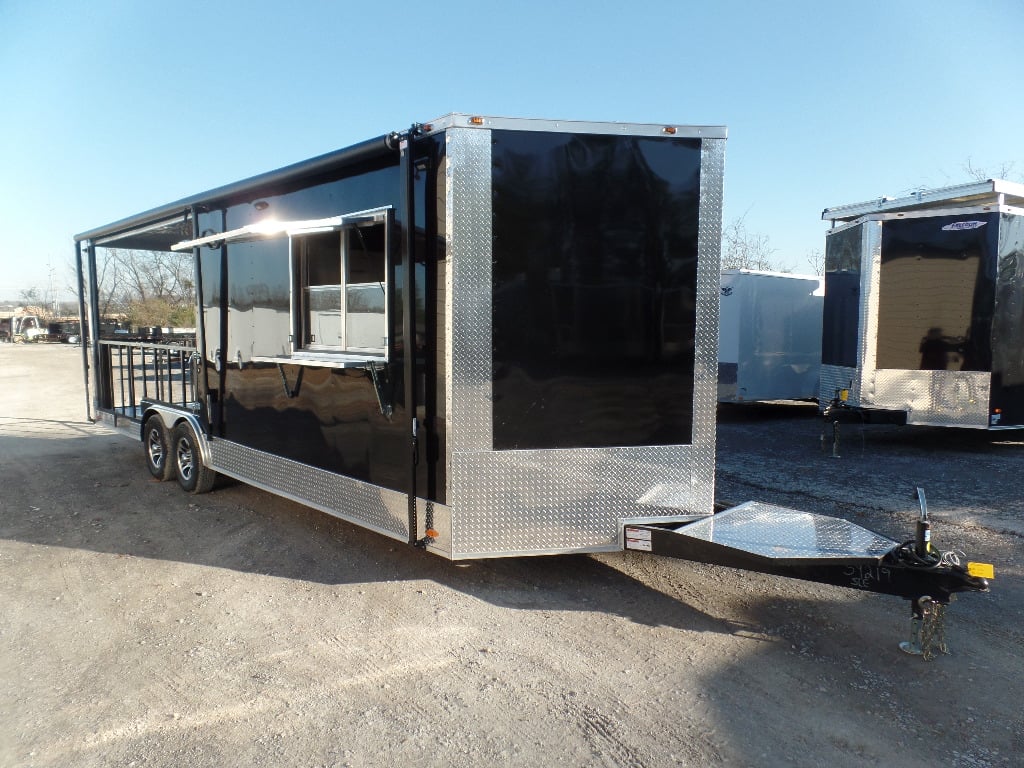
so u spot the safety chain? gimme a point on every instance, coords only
(933, 628)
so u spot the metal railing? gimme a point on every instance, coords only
(132, 371)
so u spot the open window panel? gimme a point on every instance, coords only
(340, 287)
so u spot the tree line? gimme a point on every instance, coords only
(146, 288)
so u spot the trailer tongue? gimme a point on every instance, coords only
(802, 545)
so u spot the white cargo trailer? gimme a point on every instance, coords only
(769, 342)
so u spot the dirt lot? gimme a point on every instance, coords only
(145, 627)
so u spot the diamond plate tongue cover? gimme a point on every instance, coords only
(778, 532)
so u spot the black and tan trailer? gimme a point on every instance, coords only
(924, 308)
(486, 337)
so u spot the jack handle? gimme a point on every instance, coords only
(923, 537)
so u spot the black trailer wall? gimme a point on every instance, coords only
(334, 420)
(595, 259)
(841, 310)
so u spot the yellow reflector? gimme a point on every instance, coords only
(981, 570)
(669, 129)
(432, 533)
(476, 121)
(844, 395)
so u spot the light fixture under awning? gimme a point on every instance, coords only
(274, 228)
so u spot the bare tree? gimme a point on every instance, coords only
(32, 299)
(1005, 170)
(146, 287)
(31, 296)
(815, 259)
(742, 249)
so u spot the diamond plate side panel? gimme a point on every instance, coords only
(705, 369)
(546, 501)
(468, 226)
(379, 509)
(870, 273)
(533, 502)
(779, 532)
(935, 398)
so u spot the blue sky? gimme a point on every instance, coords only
(111, 108)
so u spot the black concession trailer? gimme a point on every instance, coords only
(924, 308)
(483, 336)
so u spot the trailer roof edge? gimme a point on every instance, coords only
(678, 130)
(975, 193)
(365, 150)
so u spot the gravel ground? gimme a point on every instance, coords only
(146, 627)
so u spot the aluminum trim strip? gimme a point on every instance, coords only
(469, 228)
(705, 368)
(370, 506)
(533, 553)
(462, 120)
(870, 275)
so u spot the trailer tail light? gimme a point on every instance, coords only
(476, 120)
(669, 129)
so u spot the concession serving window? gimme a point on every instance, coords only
(339, 270)
(340, 283)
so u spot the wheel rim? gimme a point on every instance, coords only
(184, 459)
(156, 448)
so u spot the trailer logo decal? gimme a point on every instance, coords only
(956, 226)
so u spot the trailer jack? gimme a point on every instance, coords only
(927, 629)
(839, 411)
(786, 542)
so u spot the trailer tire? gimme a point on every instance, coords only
(157, 446)
(193, 475)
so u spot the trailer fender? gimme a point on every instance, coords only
(171, 418)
